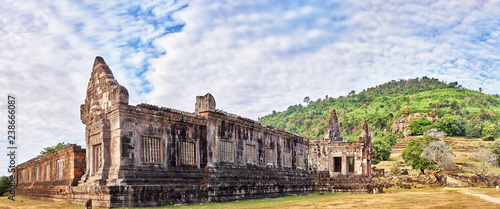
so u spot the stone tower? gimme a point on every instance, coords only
(104, 95)
(333, 131)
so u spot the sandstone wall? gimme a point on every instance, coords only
(47, 176)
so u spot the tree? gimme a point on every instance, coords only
(53, 148)
(417, 124)
(451, 125)
(488, 132)
(495, 148)
(307, 100)
(381, 149)
(487, 158)
(4, 185)
(412, 154)
(439, 155)
(379, 123)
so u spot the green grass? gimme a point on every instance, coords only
(258, 203)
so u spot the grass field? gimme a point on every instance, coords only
(391, 198)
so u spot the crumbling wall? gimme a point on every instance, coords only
(46, 177)
(263, 162)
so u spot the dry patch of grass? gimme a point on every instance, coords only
(29, 203)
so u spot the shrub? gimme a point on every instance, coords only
(417, 124)
(487, 159)
(413, 151)
(435, 133)
(395, 169)
(495, 148)
(439, 154)
(488, 132)
(381, 149)
(451, 125)
(473, 129)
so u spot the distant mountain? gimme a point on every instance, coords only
(471, 110)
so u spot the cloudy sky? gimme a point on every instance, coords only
(253, 56)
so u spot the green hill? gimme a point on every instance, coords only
(465, 112)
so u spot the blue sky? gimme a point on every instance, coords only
(253, 56)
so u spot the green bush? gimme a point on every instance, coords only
(4, 185)
(381, 149)
(488, 132)
(417, 124)
(413, 151)
(451, 125)
(395, 169)
(473, 129)
(495, 147)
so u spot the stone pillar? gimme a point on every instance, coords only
(344, 164)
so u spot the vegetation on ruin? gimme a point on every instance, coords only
(53, 148)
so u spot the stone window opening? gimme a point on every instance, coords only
(96, 158)
(47, 172)
(226, 151)
(187, 153)
(23, 176)
(287, 158)
(250, 153)
(350, 164)
(151, 151)
(37, 171)
(270, 156)
(60, 166)
(300, 160)
(337, 164)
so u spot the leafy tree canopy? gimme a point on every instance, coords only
(412, 154)
(4, 185)
(417, 124)
(381, 149)
(451, 125)
(50, 149)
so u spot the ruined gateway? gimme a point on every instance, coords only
(146, 155)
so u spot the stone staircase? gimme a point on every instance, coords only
(401, 145)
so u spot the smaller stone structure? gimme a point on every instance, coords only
(46, 177)
(338, 165)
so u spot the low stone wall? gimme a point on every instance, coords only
(353, 183)
(47, 176)
(376, 172)
(478, 180)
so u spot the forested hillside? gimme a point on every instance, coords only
(460, 111)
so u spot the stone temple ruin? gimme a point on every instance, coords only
(146, 155)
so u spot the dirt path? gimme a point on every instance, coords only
(486, 197)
